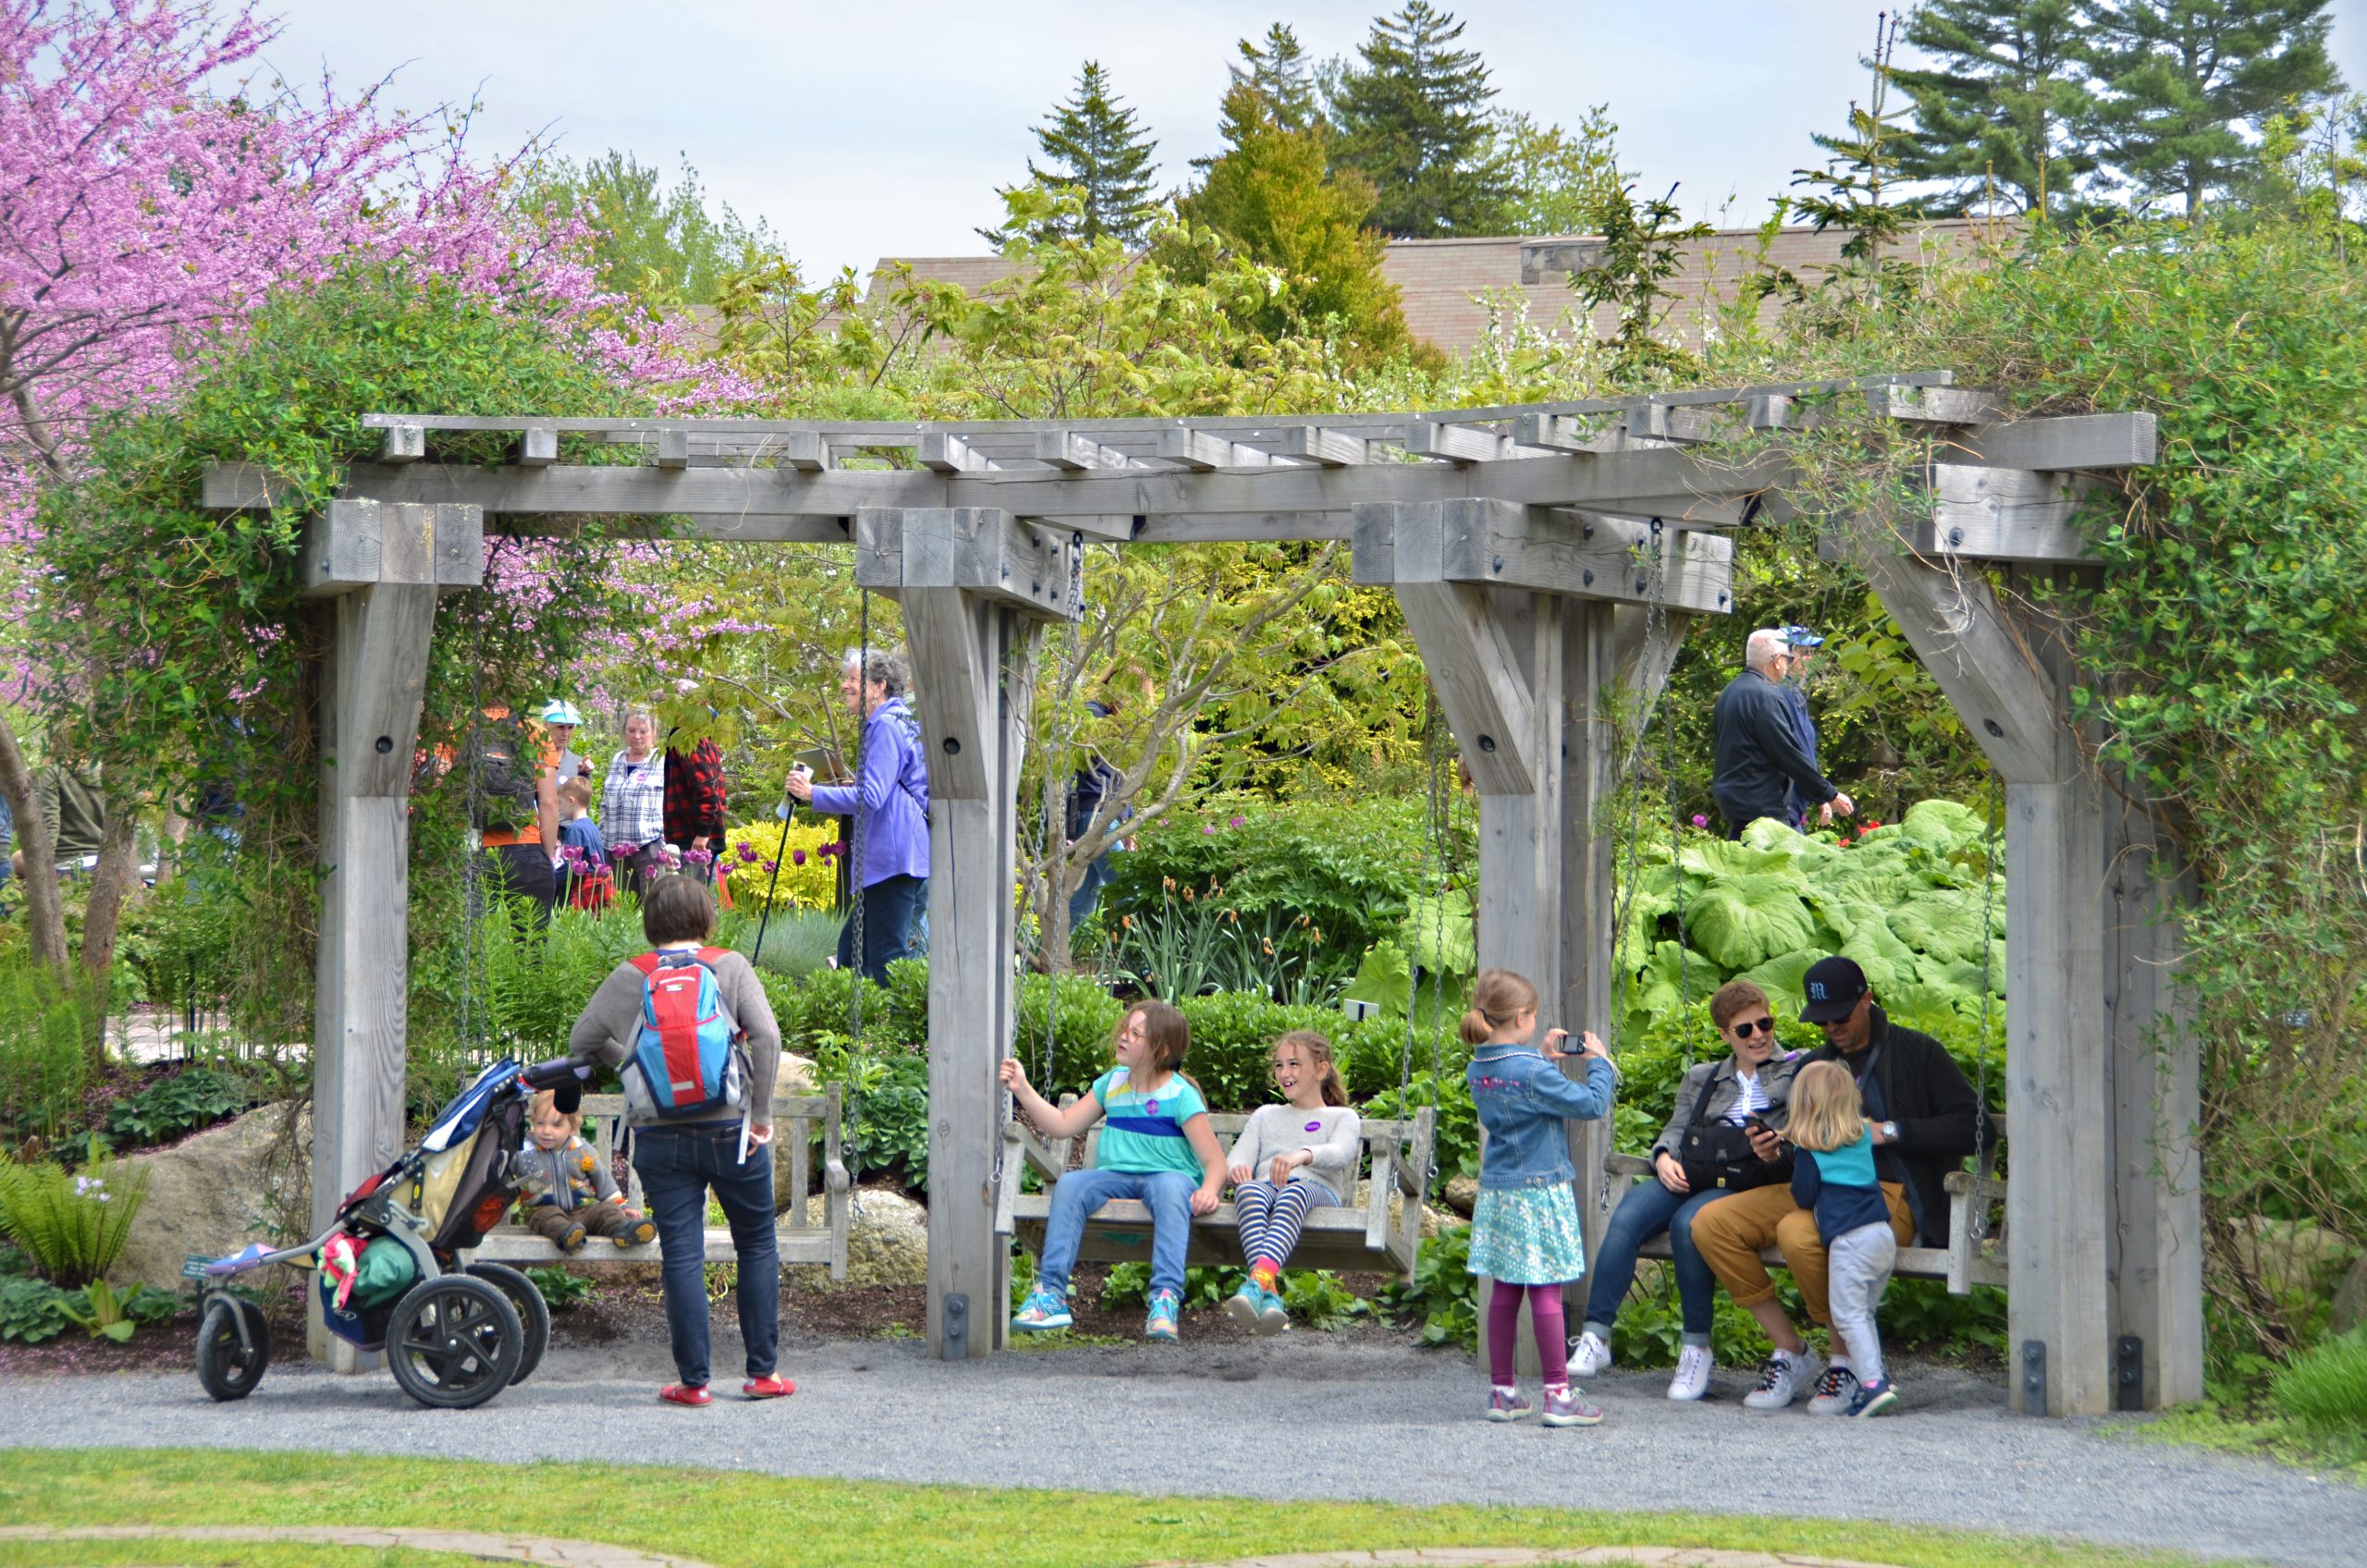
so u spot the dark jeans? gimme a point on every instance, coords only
(891, 912)
(522, 871)
(1646, 1210)
(677, 1166)
(1088, 896)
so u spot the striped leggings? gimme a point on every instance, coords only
(1270, 1217)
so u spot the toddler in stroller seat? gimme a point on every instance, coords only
(567, 1190)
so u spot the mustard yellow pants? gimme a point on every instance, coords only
(1729, 1232)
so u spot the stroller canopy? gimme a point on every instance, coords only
(456, 1121)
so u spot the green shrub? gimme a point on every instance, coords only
(72, 1225)
(31, 1311)
(2325, 1389)
(797, 942)
(170, 1106)
(1315, 1296)
(559, 1288)
(44, 1048)
(1443, 1293)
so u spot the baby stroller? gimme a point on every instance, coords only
(386, 1270)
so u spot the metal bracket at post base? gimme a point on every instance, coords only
(955, 1344)
(2033, 1377)
(2128, 1373)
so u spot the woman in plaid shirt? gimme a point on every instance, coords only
(633, 804)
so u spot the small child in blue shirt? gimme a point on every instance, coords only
(1837, 1180)
(583, 868)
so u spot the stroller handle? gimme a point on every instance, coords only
(550, 1074)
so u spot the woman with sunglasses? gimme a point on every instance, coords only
(1701, 1156)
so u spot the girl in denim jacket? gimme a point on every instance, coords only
(1524, 1232)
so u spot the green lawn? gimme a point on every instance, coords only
(2269, 1437)
(736, 1518)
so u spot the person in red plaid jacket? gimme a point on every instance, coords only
(694, 796)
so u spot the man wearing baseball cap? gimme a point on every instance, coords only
(1803, 644)
(1924, 1119)
(1757, 757)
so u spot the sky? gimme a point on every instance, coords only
(883, 128)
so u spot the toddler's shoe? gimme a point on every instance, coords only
(1272, 1316)
(1503, 1406)
(1875, 1398)
(1836, 1391)
(1244, 1305)
(572, 1242)
(1568, 1409)
(682, 1393)
(1158, 1324)
(1040, 1311)
(1589, 1354)
(641, 1233)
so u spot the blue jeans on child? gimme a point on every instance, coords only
(1078, 1193)
(1646, 1210)
(677, 1166)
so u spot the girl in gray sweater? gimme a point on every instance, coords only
(1290, 1157)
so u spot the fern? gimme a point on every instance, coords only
(72, 1225)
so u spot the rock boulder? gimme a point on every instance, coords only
(216, 1192)
(888, 1243)
(1430, 1219)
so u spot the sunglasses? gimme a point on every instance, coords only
(1744, 1030)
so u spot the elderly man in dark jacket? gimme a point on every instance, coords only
(1926, 1118)
(1757, 752)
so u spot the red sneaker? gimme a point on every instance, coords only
(676, 1393)
(767, 1388)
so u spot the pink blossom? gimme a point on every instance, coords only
(1701, 821)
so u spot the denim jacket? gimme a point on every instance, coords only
(1522, 1099)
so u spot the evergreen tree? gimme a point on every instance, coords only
(1996, 106)
(1414, 120)
(1093, 142)
(1272, 199)
(1282, 77)
(2181, 76)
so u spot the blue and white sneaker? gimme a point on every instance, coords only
(1272, 1316)
(1159, 1324)
(1040, 1311)
(1875, 1398)
(1244, 1306)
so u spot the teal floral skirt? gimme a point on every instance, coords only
(1527, 1235)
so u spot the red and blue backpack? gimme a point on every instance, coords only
(689, 1058)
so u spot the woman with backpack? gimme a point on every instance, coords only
(889, 802)
(693, 1037)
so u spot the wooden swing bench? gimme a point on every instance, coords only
(1962, 1264)
(797, 1120)
(1344, 1239)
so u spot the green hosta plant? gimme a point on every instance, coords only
(560, 1289)
(72, 1224)
(1385, 978)
(110, 1313)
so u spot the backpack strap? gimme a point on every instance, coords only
(646, 963)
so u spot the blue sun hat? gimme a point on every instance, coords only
(1801, 637)
(559, 710)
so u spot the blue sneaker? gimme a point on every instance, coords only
(1040, 1311)
(1244, 1305)
(1503, 1406)
(1159, 1324)
(1877, 1398)
(1272, 1316)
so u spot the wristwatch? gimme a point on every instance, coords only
(1890, 1131)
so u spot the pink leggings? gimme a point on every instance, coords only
(1503, 1330)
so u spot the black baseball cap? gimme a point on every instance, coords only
(1833, 985)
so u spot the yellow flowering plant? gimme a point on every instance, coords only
(806, 853)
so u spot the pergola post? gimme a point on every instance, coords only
(384, 564)
(1531, 676)
(977, 588)
(2103, 1221)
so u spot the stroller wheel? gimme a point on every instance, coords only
(228, 1368)
(454, 1341)
(533, 1312)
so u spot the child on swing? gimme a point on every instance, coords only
(1289, 1158)
(1157, 1141)
(1525, 1231)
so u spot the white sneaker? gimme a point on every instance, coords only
(1692, 1379)
(1835, 1391)
(1589, 1354)
(1780, 1379)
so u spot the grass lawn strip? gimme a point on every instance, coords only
(476, 1546)
(748, 1519)
(175, 1552)
(2288, 1443)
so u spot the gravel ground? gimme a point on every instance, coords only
(1361, 1413)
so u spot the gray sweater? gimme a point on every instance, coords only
(1336, 1138)
(611, 1022)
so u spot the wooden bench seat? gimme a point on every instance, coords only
(1963, 1263)
(796, 1120)
(1361, 1240)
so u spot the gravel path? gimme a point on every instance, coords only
(1364, 1415)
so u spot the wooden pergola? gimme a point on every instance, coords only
(1549, 558)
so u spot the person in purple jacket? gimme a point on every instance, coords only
(889, 802)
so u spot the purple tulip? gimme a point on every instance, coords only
(772, 867)
(1701, 821)
(747, 854)
(796, 857)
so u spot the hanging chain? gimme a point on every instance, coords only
(1988, 914)
(851, 1138)
(471, 848)
(1441, 827)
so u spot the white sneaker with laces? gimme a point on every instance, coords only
(1835, 1391)
(1692, 1379)
(1780, 1380)
(1589, 1354)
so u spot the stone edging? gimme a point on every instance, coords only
(471, 1543)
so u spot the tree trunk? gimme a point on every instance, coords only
(110, 884)
(44, 916)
